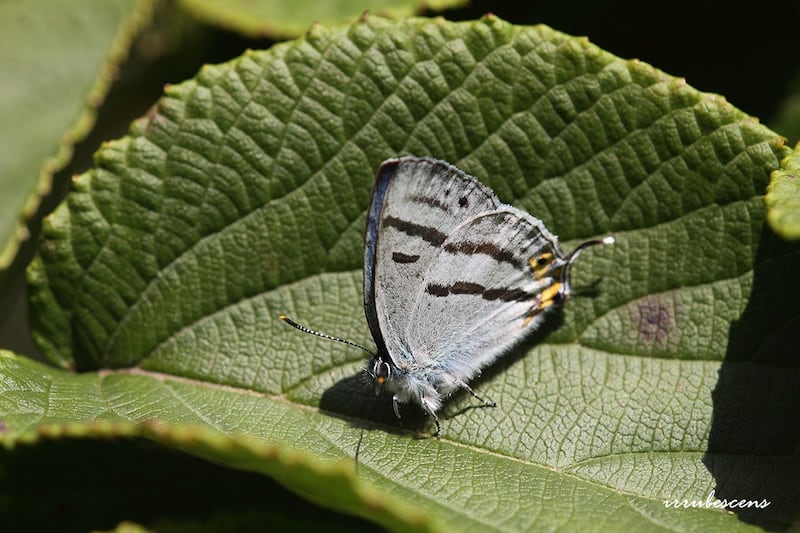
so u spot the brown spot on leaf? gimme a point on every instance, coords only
(654, 320)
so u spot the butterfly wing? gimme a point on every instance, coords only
(416, 204)
(487, 286)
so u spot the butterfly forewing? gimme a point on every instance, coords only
(417, 203)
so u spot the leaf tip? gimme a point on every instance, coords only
(490, 19)
(314, 30)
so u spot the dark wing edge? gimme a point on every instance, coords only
(385, 173)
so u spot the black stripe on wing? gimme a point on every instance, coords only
(437, 238)
(486, 248)
(400, 257)
(504, 294)
(430, 202)
(426, 233)
(436, 203)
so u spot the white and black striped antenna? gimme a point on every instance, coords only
(608, 239)
(323, 335)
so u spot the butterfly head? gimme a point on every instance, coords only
(380, 371)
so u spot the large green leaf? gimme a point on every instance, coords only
(58, 60)
(276, 18)
(242, 196)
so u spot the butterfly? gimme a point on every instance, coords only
(453, 279)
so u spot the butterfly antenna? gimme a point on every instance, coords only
(304, 329)
(609, 239)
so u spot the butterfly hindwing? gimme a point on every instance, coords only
(480, 295)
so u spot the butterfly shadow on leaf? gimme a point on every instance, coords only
(354, 400)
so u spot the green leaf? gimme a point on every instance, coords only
(279, 19)
(58, 61)
(242, 196)
(783, 198)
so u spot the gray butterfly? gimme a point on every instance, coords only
(453, 278)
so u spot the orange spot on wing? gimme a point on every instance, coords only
(549, 294)
(540, 264)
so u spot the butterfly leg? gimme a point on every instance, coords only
(474, 394)
(396, 406)
(429, 411)
(438, 427)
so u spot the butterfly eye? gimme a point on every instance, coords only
(382, 371)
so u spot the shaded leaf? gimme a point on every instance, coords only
(58, 60)
(89, 484)
(242, 196)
